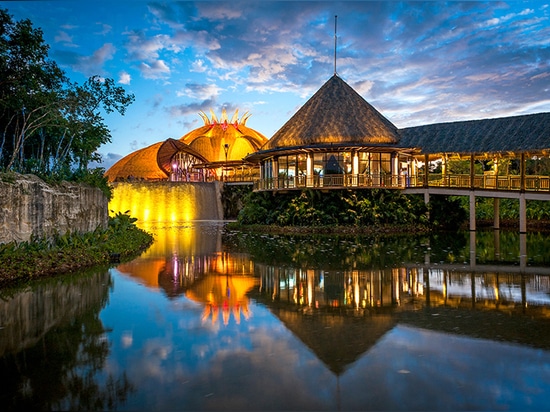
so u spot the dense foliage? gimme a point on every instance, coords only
(356, 208)
(536, 210)
(49, 126)
(63, 253)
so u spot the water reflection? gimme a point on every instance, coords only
(209, 319)
(188, 260)
(53, 347)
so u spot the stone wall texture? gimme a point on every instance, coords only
(29, 206)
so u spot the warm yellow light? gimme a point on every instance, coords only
(166, 201)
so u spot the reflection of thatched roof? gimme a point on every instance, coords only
(336, 114)
(337, 338)
(505, 134)
(141, 164)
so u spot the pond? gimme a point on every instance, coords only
(214, 319)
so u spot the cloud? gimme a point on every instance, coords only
(200, 91)
(88, 65)
(198, 66)
(104, 29)
(156, 70)
(93, 64)
(65, 38)
(107, 160)
(124, 77)
(142, 48)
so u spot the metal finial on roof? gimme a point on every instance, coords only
(335, 37)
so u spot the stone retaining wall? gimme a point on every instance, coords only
(29, 206)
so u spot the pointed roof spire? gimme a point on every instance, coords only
(335, 114)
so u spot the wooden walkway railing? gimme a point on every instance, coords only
(492, 182)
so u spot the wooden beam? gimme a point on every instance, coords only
(472, 171)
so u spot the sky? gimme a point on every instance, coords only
(419, 62)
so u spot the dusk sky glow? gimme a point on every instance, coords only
(416, 62)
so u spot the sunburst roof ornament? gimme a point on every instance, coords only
(224, 121)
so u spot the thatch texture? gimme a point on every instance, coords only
(139, 165)
(169, 148)
(528, 133)
(205, 143)
(337, 115)
(209, 141)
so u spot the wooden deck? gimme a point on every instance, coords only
(463, 181)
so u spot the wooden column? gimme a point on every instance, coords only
(472, 249)
(522, 214)
(472, 172)
(355, 168)
(522, 205)
(522, 172)
(522, 250)
(496, 212)
(426, 164)
(472, 211)
(309, 170)
(275, 172)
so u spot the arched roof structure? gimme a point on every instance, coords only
(206, 146)
(141, 164)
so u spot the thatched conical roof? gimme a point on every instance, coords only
(336, 115)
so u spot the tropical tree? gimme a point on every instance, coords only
(48, 125)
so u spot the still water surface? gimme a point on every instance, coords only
(209, 319)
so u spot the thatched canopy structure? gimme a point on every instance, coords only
(168, 148)
(219, 143)
(527, 133)
(335, 134)
(335, 115)
(211, 139)
(141, 165)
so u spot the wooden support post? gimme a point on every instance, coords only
(522, 173)
(522, 213)
(496, 238)
(426, 167)
(522, 250)
(472, 172)
(427, 202)
(275, 173)
(496, 212)
(472, 211)
(472, 249)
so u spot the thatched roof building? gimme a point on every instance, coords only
(527, 133)
(335, 134)
(198, 155)
(335, 115)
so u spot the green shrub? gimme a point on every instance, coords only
(60, 253)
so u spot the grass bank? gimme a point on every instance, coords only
(25, 261)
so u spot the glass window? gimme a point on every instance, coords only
(364, 165)
(302, 165)
(385, 162)
(333, 164)
(318, 164)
